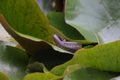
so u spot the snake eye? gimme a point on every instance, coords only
(65, 44)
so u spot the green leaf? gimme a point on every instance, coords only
(42, 51)
(58, 21)
(28, 25)
(104, 57)
(89, 74)
(3, 76)
(26, 17)
(91, 17)
(13, 62)
(40, 76)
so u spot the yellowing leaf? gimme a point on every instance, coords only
(24, 20)
(3, 76)
(104, 57)
(40, 76)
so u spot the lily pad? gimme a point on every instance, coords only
(103, 57)
(89, 74)
(40, 76)
(26, 17)
(28, 25)
(91, 17)
(110, 33)
(116, 78)
(35, 46)
(13, 62)
(3, 76)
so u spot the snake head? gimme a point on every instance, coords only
(65, 44)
